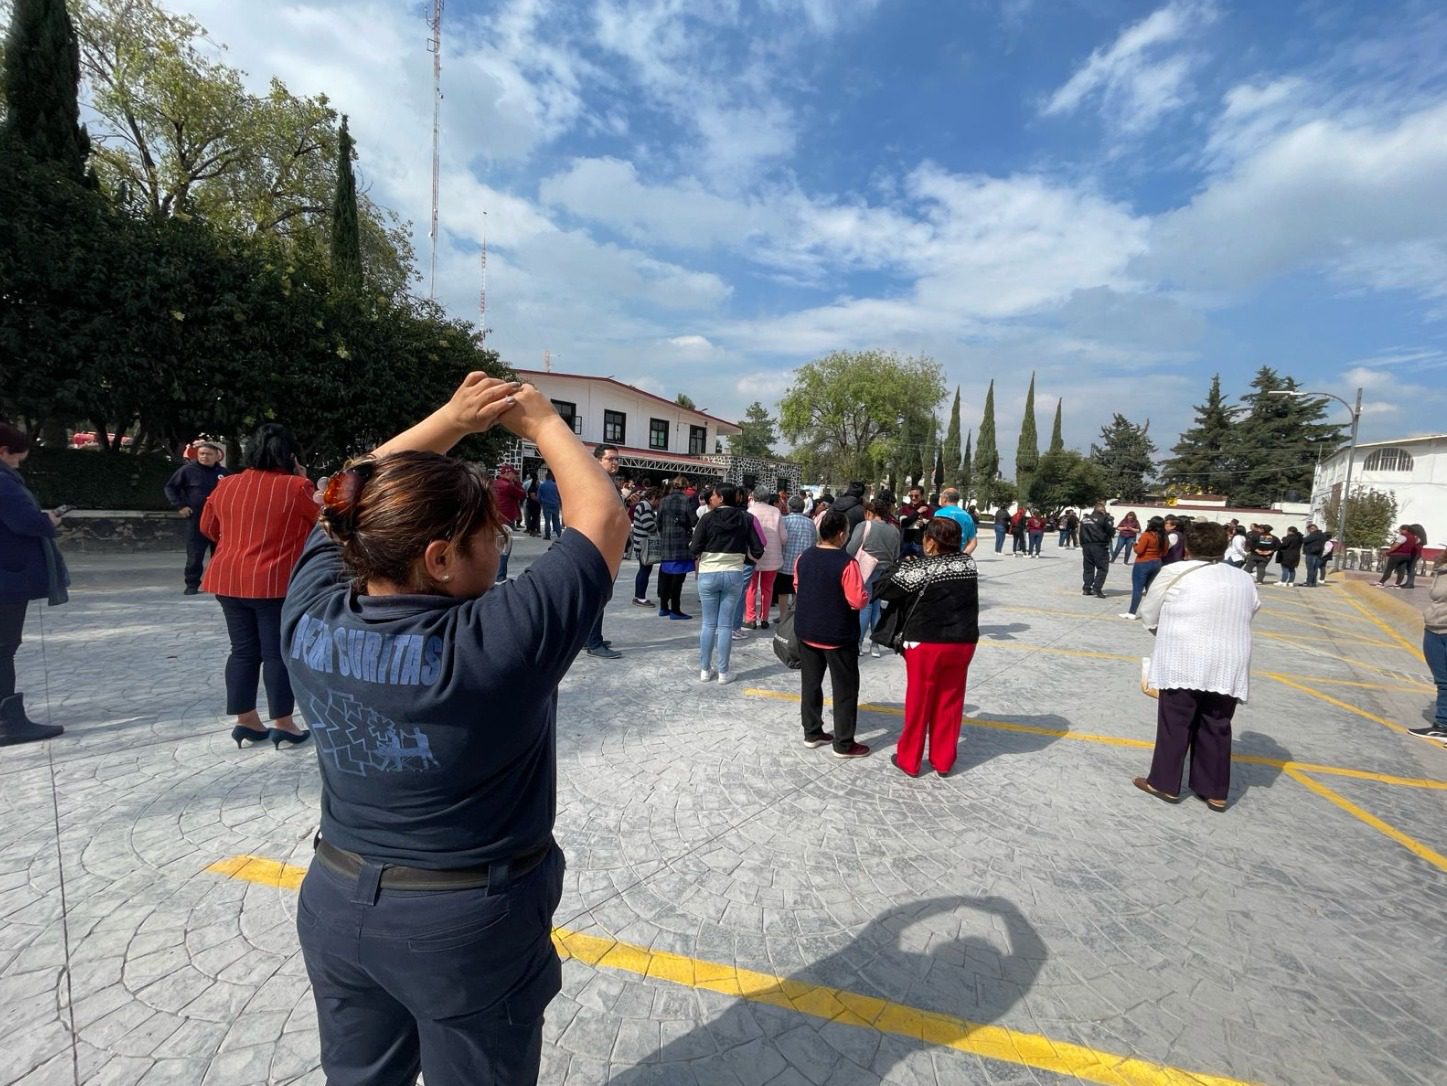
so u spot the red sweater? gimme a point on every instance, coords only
(260, 521)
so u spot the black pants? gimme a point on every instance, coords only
(533, 511)
(1199, 723)
(1398, 565)
(255, 629)
(1256, 567)
(197, 548)
(843, 667)
(670, 591)
(12, 621)
(451, 983)
(1095, 560)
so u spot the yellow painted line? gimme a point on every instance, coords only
(1316, 643)
(1415, 650)
(1396, 688)
(1137, 744)
(1383, 721)
(820, 1001)
(261, 870)
(1411, 844)
(1336, 631)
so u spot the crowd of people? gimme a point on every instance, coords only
(381, 600)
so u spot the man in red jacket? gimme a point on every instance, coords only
(509, 495)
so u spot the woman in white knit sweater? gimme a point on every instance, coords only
(1201, 612)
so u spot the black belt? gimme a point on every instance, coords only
(398, 877)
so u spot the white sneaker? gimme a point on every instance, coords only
(706, 675)
(1125, 614)
(725, 677)
(874, 651)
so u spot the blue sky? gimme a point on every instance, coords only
(1124, 197)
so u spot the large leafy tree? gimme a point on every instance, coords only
(39, 89)
(758, 435)
(1027, 449)
(1202, 460)
(987, 456)
(1371, 517)
(1065, 478)
(847, 409)
(179, 133)
(1277, 441)
(1125, 457)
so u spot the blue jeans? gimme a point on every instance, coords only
(1434, 647)
(721, 595)
(1035, 538)
(1288, 574)
(1315, 566)
(868, 618)
(1122, 543)
(1141, 576)
(1001, 531)
(552, 521)
(1064, 537)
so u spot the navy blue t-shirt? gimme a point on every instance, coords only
(434, 718)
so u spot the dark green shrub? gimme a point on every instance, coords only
(91, 479)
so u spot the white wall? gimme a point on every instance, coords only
(1421, 493)
(1294, 514)
(592, 398)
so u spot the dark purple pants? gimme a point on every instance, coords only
(1198, 723)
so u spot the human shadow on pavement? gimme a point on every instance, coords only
(969, 978)
(1004, 632)
(1247, 775)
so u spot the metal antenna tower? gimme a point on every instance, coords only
(482, 297)
(434, 46)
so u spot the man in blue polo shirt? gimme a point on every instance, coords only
(950, 507)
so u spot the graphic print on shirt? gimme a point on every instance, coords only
(357, 739)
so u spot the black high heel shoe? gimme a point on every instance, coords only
(241, 732)
(278, 737)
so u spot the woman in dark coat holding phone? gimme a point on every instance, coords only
(30, 569)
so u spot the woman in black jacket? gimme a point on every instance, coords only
(941, 628)
(30, 569)
(675, 530)
(1288, 553)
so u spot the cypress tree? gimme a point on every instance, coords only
(987, 453)
(1027, 450)
(966, 469)
(346, 233)
(1057, 439)
(952, 442)
(38, 86)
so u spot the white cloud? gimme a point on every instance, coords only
(1143, 74)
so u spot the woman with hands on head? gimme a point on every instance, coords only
(432, 694)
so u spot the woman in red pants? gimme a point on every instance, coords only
(941, 596)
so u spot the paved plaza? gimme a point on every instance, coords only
(742, 910)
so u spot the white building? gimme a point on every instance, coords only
(656, 438)
(1412, 469)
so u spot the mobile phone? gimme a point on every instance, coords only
(61, 510)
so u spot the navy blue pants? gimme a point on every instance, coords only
(198, 546)
(254, 626)
(451, 983)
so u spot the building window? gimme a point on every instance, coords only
(658, 433)
(697, 440)
(615, 427)
(569, 414)
(1389, 460)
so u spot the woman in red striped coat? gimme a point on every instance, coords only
(259, 520)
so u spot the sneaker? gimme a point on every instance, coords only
(603, 652)
(642, 603)
(1098, 595)
(191, 591)
(1434, 731)
(820, 740)
(664, 612)
(725, 677)
(751, 625)
(739, 635)
(853, 750)
(874, 651)
(706, 675)
(763, 624)
(1126, 615)
(678, 616)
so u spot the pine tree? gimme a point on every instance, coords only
(1202, 463)
(758, 435)
(1125, 457)
(1027, 450)
(967, 466)
(987, 453)
(951, 450)
(1057, 439)
(1277, 441)
(346, 233)
(38, 87)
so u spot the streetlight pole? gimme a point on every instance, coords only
(1341, 514)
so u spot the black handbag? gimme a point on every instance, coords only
(893, 618)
